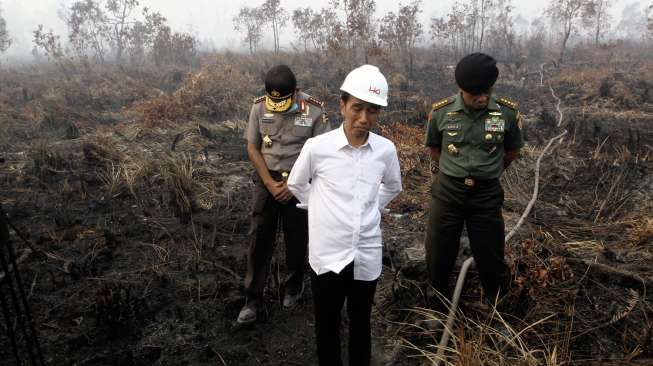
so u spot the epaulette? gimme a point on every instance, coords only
(507, 102)
(259, 99)
(444, 102)
(316, 102)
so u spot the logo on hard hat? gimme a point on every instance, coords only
(375, 90)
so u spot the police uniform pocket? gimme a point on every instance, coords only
(269, 128)
(301, 131)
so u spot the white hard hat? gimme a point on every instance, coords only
(367, 83)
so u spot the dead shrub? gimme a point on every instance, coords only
(415, 165)
(218, 91)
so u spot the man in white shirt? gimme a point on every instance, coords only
(345, 178)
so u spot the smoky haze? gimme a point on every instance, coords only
(211, 22)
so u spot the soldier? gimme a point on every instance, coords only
(279, 124)
(473, 136)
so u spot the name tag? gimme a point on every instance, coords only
(495, 124)
(304, 121)
(453, 126)
(267, 120)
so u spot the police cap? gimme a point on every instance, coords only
(280, 84)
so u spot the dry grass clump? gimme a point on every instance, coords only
(219, 91)
(415, 165)
(101, 150)
(492, 340)
(178, 173)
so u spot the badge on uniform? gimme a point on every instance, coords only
(267, 141)
(452, 149)
(452, 126)
(304, 121)
(268, 118)
(495, 124)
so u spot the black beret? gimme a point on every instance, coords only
(280, 82)
(476, 73)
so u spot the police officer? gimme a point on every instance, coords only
(279, 124)
(473, 136)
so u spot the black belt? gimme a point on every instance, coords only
(279, 175)
(472, 181)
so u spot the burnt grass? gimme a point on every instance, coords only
(140, 228)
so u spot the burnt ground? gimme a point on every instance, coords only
(140, 231)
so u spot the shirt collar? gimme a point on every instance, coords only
(459, 104)
(492, 104)
(341, 141)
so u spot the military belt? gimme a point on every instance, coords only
(471, 182)
(279, 175)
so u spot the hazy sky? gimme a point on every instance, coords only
(211, 20)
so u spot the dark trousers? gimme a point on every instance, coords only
(479, 207)
(329, 293)
(267, 215)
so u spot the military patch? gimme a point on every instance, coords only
(495, 125)
(454, 113)
(268, 115)
(442, 103)
(325, 118)
(495, 113)
(508, 103)
(453, 126)
(452, 134)
(259, 99)
(315, 101)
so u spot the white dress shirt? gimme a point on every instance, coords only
(345, 189)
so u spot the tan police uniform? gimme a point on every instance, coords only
(280, 137)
